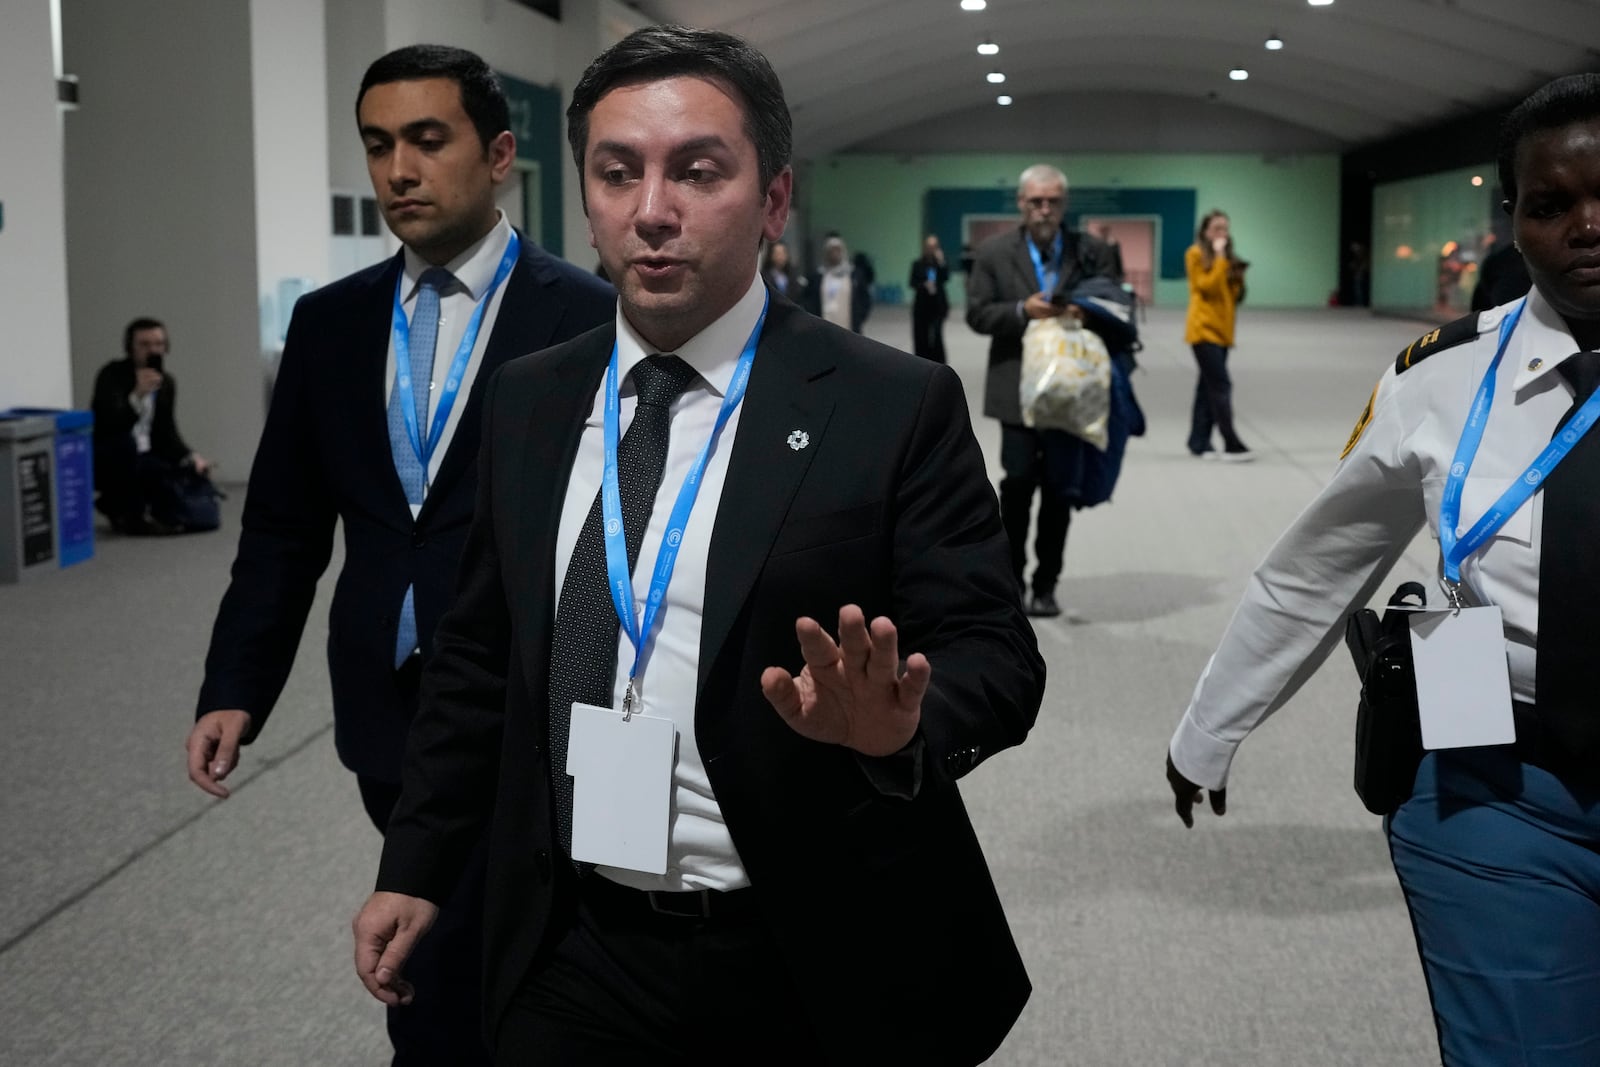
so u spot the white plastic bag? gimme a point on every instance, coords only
(1066, 380)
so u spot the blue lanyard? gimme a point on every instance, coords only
(452, 383)
(1456, 551)
(611, 508)
(1047, 277)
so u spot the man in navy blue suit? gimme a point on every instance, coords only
(375, 421)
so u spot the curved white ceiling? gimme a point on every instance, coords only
(859, 73)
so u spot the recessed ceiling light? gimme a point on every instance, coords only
(976, 5)
(1003, 101)
(1274, 43)
(988, 48)
(1319, 3)
(1238, 74)
(995, 77)
(1477, 179)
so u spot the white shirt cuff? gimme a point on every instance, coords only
(1200, 757)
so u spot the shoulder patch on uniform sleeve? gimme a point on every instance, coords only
(1361, 423)
(1458, 332)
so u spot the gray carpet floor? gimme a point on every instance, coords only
(143, 923)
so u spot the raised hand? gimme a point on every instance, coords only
(853, 692)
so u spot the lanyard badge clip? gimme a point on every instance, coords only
(1453, 595)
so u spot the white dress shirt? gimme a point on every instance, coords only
(700, 852)
(1335, 555)
(146, 407)
(473, 270)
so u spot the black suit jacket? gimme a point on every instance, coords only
(324, 456)
(936, 302)
(1002, 275)
(882, 906)
(115, 417)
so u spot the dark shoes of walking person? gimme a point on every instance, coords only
(1043, 606)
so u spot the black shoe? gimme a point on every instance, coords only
(1043, 606)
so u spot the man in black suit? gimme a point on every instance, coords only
(138, 451)
(1016, 277)
(929, 302)
(375, 421)
(763, 856)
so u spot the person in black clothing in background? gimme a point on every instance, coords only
(138, 451)
(929, 304)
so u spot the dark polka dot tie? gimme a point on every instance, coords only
(583, 653)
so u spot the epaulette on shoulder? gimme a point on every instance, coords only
(1456, 333)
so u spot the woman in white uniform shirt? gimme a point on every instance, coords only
(1498, 847)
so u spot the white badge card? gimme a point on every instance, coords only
(1463, 684)
(621, 789)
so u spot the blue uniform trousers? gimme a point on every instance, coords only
(1500, 864)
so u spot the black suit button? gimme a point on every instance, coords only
(952, 763)
(418, 541)
(541, 860)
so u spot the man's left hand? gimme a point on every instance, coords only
(199, 463)
(854, 692)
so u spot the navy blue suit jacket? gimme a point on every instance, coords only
(324, 456)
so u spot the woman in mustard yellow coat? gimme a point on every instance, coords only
(1216, 284)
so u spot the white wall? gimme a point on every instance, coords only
(35, 364)
(161, 204)
(290, 110)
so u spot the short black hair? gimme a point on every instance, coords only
(134, 327)
(482, 97)
(1574, 98)
(656, 53)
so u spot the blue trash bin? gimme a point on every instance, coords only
(74, 480)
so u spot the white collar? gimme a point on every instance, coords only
(713, 352)
(473, 268)
(1542, 341)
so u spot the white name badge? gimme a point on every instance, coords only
(1463, 684)
(622, 788)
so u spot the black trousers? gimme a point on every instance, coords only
(626, 986)
(927, 329)
(128, 482)
(444, 1023)
(1022, 459)
(1213, 401)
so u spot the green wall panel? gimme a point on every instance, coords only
(1428, 235)
(1285, 211)
(541, 138)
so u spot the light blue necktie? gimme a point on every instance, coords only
(413, 478)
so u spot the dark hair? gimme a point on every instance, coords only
(134, 327)
(1207, 256)
(482, 98)
(656, 53)
(1574, 98)
(1205, 220)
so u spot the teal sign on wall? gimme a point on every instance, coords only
(536, 124)
(944, 210)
